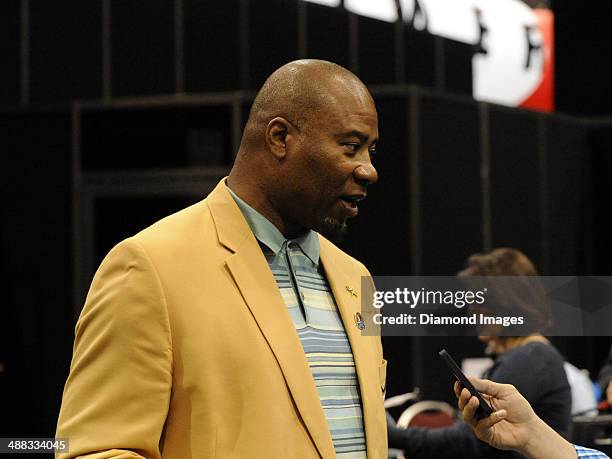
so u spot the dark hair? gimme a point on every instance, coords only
(529, 302)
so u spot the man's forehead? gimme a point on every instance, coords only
(352, 117)
(353, 92)
(357, 103)
(346, 104)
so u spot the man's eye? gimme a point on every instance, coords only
(353, 147)
(372, 152)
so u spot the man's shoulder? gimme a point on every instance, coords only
(182, 217)
(177, 229)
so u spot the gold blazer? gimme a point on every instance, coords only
(185, 349)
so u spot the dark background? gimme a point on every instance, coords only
(114, 113)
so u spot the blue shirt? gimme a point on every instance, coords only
(589, 453)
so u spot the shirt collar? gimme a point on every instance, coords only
(269, 235)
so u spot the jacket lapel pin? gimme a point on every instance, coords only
(352, 291)
(359, 321)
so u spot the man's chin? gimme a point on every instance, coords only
(332, 229)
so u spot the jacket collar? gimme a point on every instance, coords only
(269, 235)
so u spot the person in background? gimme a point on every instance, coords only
(531, 363)
(514, 425)
(605, 379)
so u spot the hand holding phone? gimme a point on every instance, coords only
(483, 410)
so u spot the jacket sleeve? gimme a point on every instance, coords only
(117, 395)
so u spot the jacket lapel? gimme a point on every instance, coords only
(257, 285)
(345, 283)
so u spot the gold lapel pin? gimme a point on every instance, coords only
(352, 291)
(359, 321)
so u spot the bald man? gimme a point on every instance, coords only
(231, 329)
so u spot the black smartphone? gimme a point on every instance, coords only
(483, 409)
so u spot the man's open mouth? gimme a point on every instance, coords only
(353, 200)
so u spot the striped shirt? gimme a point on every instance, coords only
(589, 453)
(310, 302)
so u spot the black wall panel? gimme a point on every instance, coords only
(212, 45)
(419, 51)
(566, 201)
(10, 51)
(582, 65)
(272, 37)
(436, 62)
(140, 139)
(451, 204)
(600, 194)
(457, 74)
(376, 45)
(327, 33)
(66, 50)
(36, 326)
(142, 37)
(516, 187)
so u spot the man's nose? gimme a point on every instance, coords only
(366, 173)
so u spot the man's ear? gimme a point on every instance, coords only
(277, 131)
